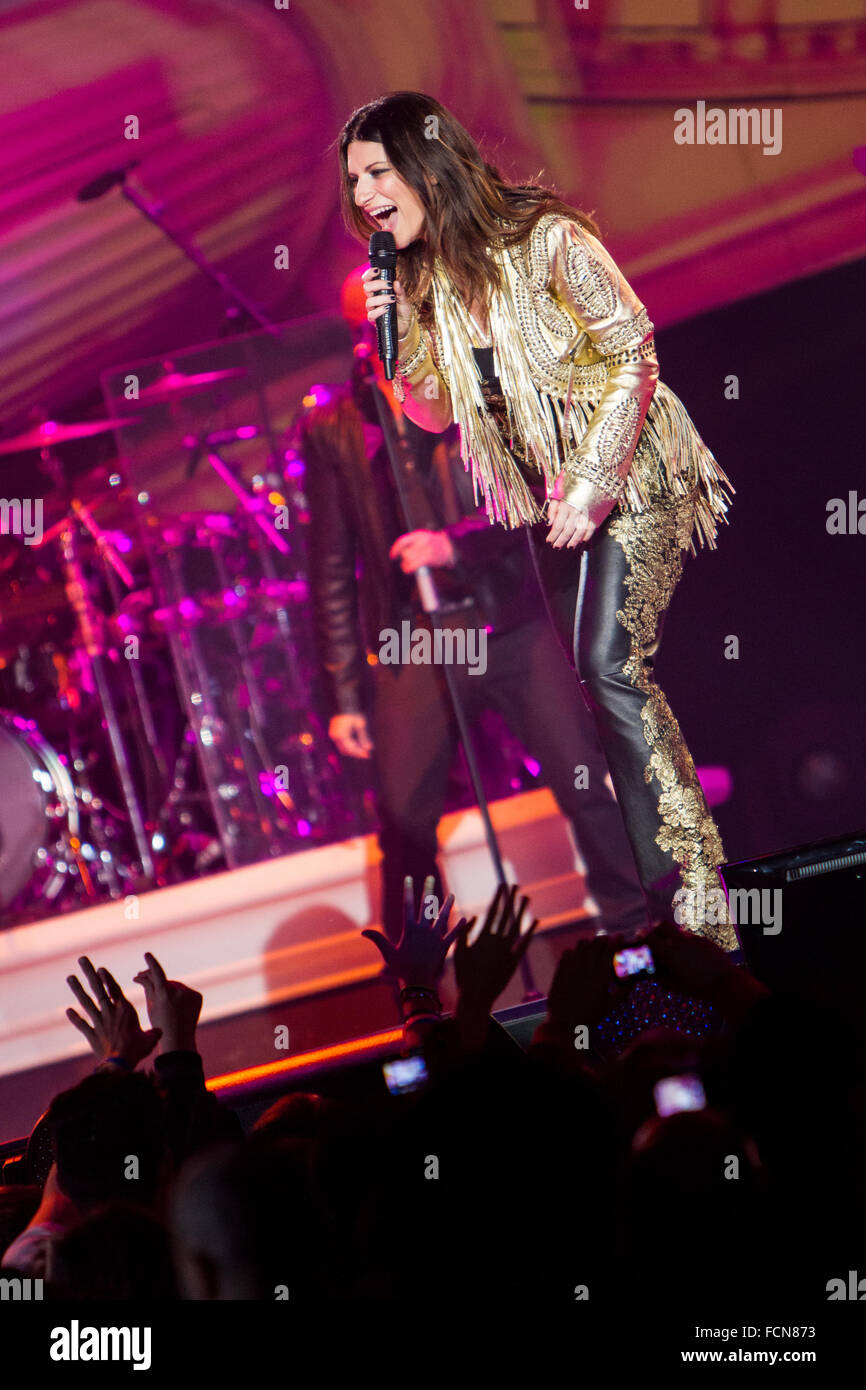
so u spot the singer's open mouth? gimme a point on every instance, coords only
(383, 214)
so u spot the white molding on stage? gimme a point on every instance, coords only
(279, 930)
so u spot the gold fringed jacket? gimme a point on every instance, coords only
(574, 351)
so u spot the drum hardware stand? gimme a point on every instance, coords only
(97, 826)
(208, 719)
(400, 457)
(148, 746)
(90, 622)
(250, 505)
(313, 776)
(216, 727)
(256, 712)
(252, 513)
(70, 841)
(173, 817)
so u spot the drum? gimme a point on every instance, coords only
(48, 683)
(39, 815)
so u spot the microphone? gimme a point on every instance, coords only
(104, 182)
(383, 257)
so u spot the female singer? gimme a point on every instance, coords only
(514, 321)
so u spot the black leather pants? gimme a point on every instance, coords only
(607, 600)
(533, 689)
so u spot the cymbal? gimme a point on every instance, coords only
(244, 600)
(223, 522)
(273, 593)
(175, 384)
(188, 527)
(58, 432)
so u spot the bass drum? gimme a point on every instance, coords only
(39, 816)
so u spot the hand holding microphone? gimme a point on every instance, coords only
(377, 289)
(393, 313)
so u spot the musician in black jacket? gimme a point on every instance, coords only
(361, 564)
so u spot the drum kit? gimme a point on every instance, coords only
(156, 717)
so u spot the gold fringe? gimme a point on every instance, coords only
(507, 497)
(683, 464)
(675, 462)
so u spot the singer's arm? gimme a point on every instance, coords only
(418, 384)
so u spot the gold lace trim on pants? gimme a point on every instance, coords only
(653, 543)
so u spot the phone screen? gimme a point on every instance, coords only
(676, 1093)
(633, 960)
(405, 1074)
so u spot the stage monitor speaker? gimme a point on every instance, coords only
(801, 913)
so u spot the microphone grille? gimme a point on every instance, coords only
(383, 247)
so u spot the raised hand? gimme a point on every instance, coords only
(114, 1029)
(172, 1007)
(483, 969)
(419, 956)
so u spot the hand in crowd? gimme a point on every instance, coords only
(114, 1029)
(698, 967)
(172, 1007)
(483, 969)
(584, 988)
(419, 956)
(693, 962)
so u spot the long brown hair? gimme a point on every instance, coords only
(464, 210)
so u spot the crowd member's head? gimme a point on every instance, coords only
(117, 1252)
(691, 1150)
(648, 1058)
(246, 1224)
(108, 1139)
(690, 1204)
(801, 1109)
(302, 1115)
(18, 1203)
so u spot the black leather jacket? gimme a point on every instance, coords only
(356, 590)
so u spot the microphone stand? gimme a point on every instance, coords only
(90, 626)
(398, 451)
(238, 302)
(152, 211)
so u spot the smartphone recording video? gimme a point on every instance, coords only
(404, 1074)
(675, 1093)
(634, 963)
